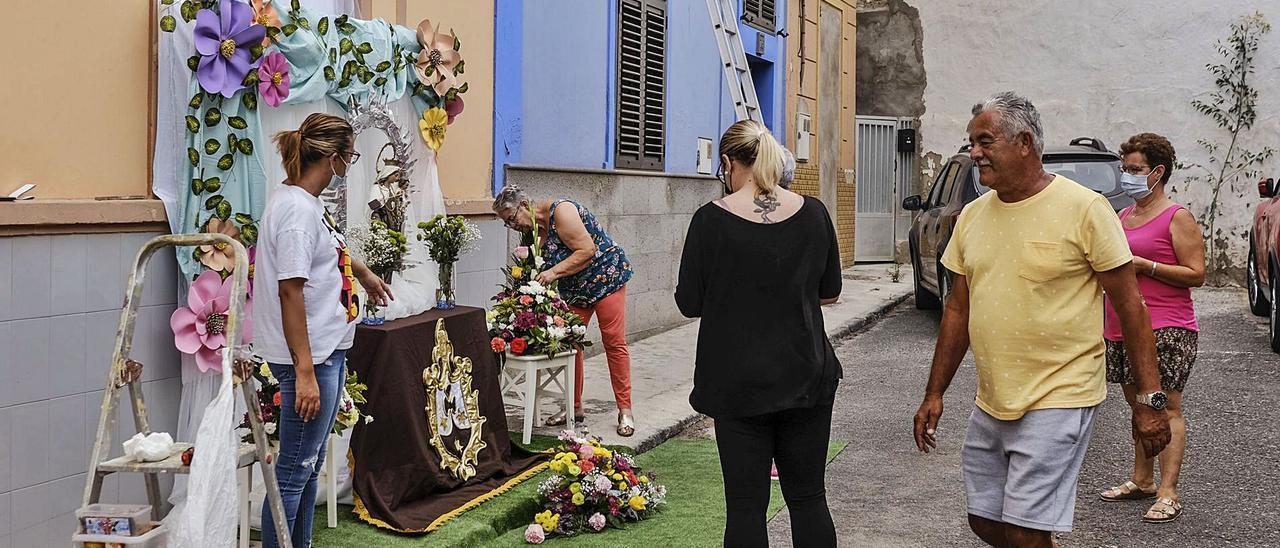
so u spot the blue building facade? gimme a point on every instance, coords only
(605, 101)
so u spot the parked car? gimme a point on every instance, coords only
(1263, 270)
(1085, 160)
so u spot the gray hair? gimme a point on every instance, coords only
(510, 197)
(788, 168)
(1017, 115)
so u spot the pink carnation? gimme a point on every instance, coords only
(522, 252)
(586, 452)
(603, 484)
(534, 534)
(596, 521)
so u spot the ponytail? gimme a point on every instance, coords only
(750, 144)
(320, 137)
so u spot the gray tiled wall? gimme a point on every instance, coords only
(60, 299)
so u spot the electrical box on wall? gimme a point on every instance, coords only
(706, 156)
(804, 127)
(907, 140)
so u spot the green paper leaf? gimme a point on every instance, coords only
(168, 23)
(359, 56)
(245, 146)
(188, 10)
(193, 124)
(226, 162)
(383, 66)
(248, 233)
(341, 19)
(256, 51)
(302, 22)
(197, 186)
(250, 101)
(196, 100)
(289, 29)
(344, 82)
(166, 2)
(223, 211)
(212, 184)
(273, 31)
(244, 219)
(380, 81)
(213, 201)
(213, 117)
(347, 29)
(329, 74)
(463, 89)
(461, 68)
(237, 122)
(231, 140)
(457, 44)
(323, 26)
(365, 48)
(450, 95)
(295, 5)
(193, 155)
(250, 79)
(365, 76)
(193, 62)
(346, 45)
(333, 56)
(349, 68)
(211, 146)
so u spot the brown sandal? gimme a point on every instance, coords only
(1165, 510)
(1126, 491)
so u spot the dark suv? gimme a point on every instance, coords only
(1085, 160)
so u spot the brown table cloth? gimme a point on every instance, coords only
(402, 478)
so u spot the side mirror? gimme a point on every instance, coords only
(913, 203)
(1267, 188)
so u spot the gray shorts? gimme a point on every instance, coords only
(1024, 471)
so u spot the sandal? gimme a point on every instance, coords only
(1126, 491)
(626, 424)
(1164, 510)
(561, 418)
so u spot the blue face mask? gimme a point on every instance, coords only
(337, 180)
(1135, 185)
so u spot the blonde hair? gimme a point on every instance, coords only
(321, 136)
(750, 144)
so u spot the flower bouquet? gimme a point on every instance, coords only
(530, 319)
(382, 250)
(592, 488)
(447, 238)
(349, 413)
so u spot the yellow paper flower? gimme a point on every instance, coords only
(517, 272)
(578, 499)
(432, 125)
(637, 503)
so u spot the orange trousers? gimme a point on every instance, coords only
(612, 314)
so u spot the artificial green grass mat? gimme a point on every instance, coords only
(694, 514)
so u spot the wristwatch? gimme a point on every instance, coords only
(1156, 400)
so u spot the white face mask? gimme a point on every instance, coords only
(1136, 186)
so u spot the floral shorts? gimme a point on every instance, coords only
(1175, 354)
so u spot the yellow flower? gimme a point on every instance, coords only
(557, 467)
(622, 486)
(517, 272)
(603, 453)
(644, 479)
(547, 520)
(576, 488)
(579, 499)
(552, 294)
(265, 371)
(617, 477)
(637, 503)
(432, 125)
(574, 470)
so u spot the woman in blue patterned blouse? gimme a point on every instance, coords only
(592, 273)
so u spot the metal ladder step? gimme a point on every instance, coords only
(737, 73)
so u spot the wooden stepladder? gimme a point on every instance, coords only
(126, 372)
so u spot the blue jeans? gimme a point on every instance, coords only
(302, 448)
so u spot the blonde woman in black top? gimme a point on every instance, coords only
(758, 264)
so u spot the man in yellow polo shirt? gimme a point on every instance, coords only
(1031, 261)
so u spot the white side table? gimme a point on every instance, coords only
(522, 378)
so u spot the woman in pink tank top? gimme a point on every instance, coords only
(1168, 255)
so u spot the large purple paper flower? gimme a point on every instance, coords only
(223, 41)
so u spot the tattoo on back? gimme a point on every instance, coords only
(766, 204)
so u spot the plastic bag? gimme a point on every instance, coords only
(149, 448)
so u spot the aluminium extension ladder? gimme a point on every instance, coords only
(724, 23)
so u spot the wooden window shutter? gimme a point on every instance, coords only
(642, 84)
(761, 14)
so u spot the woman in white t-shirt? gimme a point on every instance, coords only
(306, 305)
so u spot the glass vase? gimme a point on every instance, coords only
(373, 314)
(446, 294)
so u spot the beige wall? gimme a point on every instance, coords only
(466, 160)
(74, 112)
(807, 88)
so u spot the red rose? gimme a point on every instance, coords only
(276, 399)
(498, 344)
(519, 345)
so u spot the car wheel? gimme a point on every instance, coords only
(1257, 299)
(1273, 332)
(924, 299)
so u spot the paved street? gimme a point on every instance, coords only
(885, 494)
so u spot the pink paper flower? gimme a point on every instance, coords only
(273, 78)
(454, 108)
(200, 327)
(596, 521)
(534, 534)
(437, 60)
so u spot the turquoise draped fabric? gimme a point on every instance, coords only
(333, 57)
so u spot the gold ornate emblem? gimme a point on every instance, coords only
(453, 405)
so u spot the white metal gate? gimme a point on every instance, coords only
(883, 179)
